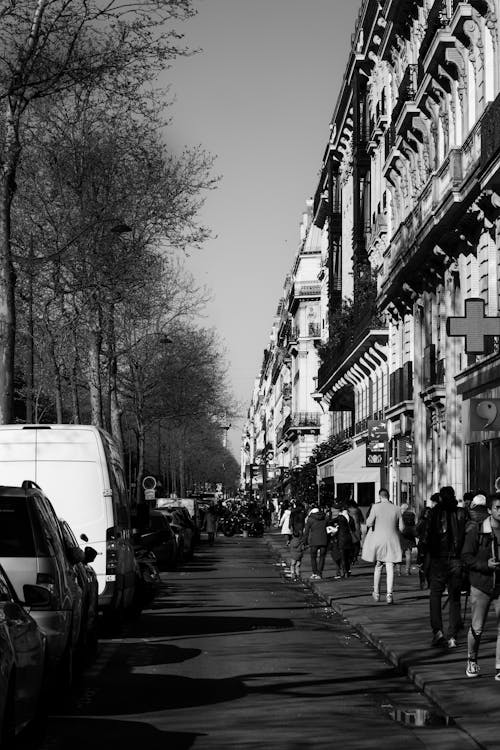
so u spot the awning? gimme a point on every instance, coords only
(350, 468)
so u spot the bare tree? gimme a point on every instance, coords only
(51, 46)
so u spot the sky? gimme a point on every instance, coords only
(259, 96)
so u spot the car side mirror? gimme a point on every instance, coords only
(90, 554)
(75, 555)
(37, 597)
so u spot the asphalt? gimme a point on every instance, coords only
(402, 633)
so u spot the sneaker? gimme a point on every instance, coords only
(452, 642)
(337, 578)
(472, 669)
(438, 639)
(376, 596)
(315, 577)
(389, 599)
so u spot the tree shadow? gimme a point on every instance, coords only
(101, 734)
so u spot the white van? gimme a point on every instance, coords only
(79, 469)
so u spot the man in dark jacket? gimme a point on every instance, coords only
(316, 537)
(442, 537)
(481, 556)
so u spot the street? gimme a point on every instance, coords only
(233, 655)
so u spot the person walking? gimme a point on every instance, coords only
(341, 543)
(480, 554)
(285, 524)
(316, 538)
(297, 547)
(408, 535)
(297, 518)
(356, 515)
(210, 523)
(382, 545)
(442, 537)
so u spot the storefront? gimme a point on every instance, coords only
(480, 392)
(352, 478)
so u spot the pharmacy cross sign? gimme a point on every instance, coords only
(474, 325)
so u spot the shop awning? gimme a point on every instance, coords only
(350, 468)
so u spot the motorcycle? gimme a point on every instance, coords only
(147, 577)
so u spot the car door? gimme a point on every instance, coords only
(28, 645)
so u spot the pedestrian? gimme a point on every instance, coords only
(210, 523)
(478, 510)
(442, 538)
(297, 518)
(297, 547)
(357, 517)
(341, 543)
(408, 535)
(285, 524)
(316, 539)
(382, 545)
(423, 558)
(481, 556)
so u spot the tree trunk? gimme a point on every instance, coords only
(95, 378)
(75, 401)
(58, 398)
(7, 278)
(140, 461)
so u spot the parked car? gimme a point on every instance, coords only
(32, 553)
(80, 469)
(22, 658)
(158, 537)
(87, 580)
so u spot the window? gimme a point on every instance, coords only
(16, 533)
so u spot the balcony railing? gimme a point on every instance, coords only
(332, 359)
(304, 420)
(307, 289)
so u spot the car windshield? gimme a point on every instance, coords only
(16, 533)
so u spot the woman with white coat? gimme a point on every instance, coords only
(285, 524)
(382, 542)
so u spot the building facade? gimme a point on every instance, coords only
(407, 209)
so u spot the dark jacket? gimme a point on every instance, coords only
(315, 530)
(442, 533)
(342, 540)
(297, 520)
(480, 545)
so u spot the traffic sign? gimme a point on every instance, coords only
(149, 483)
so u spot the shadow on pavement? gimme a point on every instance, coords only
(154, 625)
(102, 734)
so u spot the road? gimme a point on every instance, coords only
(233, 655)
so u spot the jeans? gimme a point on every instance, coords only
(318, 553)
(444, 573)
(480, 605)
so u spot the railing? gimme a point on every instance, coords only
(304, 419)
(361, 426)
(332, 359)
(307, 289)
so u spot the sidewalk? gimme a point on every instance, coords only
(402, 633)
